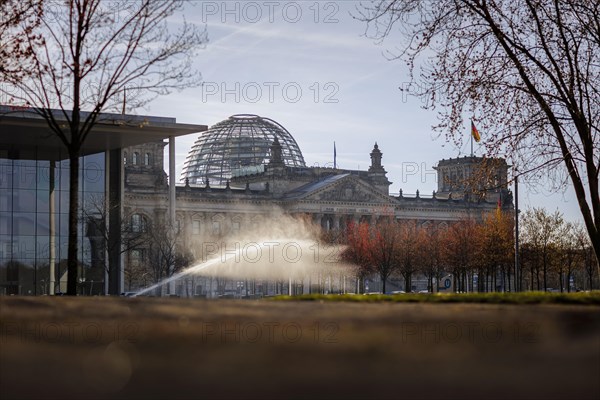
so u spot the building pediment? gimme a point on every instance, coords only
(340, 188)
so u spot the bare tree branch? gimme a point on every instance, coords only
(526, 71)
(82, 56)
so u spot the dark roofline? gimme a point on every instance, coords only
(25, 128)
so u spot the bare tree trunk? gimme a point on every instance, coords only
(531, 277)
(545, 274)
(73, 217)
(560, 279)
(485, 280)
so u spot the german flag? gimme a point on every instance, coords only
(475, 132)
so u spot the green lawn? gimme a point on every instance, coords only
(492, 298)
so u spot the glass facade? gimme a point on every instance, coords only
(237, 146)
(34, 206)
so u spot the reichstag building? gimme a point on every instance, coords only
(238, 172)
(242, 168)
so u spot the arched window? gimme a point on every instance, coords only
(147, 159)
(138, 223)
(136, 257)
(136, 158)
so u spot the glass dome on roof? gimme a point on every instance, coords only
(237, 145)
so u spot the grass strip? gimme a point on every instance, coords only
(583, 298)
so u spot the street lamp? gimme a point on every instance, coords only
(517, 269)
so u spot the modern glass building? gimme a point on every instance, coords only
(34, 200)
(34, 205)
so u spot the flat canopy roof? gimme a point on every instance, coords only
(24, 129)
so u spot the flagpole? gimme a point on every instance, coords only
(334, 157)
(471, 139)
(517, 269)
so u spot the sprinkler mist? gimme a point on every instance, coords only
(283, 249)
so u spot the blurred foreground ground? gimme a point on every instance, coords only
(84, 348)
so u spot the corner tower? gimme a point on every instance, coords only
(143, 165)
(474, 177)
(377, 174)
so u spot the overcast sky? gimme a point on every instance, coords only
(307, 65)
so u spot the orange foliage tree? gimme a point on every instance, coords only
(357, 251)
(496, 251)
(373, 248)
(409, 252)
(460, 245)
(431, 253)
